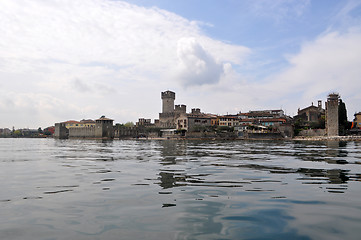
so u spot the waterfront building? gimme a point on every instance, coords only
(228, 120)
(72, 124)
(195, 120)
(262, 117)
(332, 128)
(356, 124)
(103, 128)
(357, 120)
(272, 122)
(87, 123)
(311, 114)
(5, 132)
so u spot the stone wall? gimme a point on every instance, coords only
(332, 115)
(260, 135)
(126, 132)
(61, 131)
(104, 128)
(82, 132)
(286, 130)
(312, 133)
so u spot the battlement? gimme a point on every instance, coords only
(196, 111)
(333, 96)
(181, 108)
(168, 94)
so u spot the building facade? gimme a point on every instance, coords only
(102, 128)
(357, 120)
(312, 113)
(195, 120)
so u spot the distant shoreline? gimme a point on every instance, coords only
(298, 138)
(326, 138)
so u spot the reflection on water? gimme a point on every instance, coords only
(82, 189)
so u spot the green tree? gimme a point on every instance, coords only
(342, 118)
(17, 133)
(129, 124)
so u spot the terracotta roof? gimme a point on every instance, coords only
(104, 118)
(273, 120)
(87, 121)
(71, 121)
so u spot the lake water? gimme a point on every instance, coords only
(87, 189)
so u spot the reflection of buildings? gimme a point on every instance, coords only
(169, 151)
(335, 149)
(334, 176)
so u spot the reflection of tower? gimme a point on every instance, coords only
(168, 98)
(332, 114)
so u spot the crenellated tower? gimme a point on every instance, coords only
(168, 98)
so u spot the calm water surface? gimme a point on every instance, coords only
(85, 189)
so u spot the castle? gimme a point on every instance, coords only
(174, 118)
(103, 128)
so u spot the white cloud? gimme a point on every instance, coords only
(75, 59)
(329, 63)
(196, 66)
(97, 55)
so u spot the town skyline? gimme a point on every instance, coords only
(82, 59)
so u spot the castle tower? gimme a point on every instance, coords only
(332, 114)
(104, 128)
(61, 132)
(168, 98)
(180, 108)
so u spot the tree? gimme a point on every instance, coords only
(129, 124)
(343, 124)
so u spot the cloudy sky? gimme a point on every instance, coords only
(75, 59)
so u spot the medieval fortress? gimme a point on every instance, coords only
(174, 119)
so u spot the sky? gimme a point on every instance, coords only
(79, 59)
